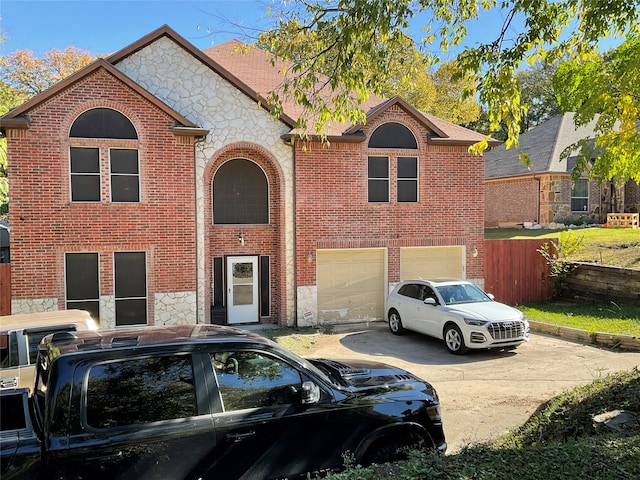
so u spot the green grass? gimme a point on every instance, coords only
(613, 318)
(619, 247)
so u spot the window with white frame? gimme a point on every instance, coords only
(580, 195)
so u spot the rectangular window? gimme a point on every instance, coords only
(82, 283)
(85, 174)
(378, 179)
(407, 179)
(125, 175)
(139, 391)
(130, 274)
(580, 195)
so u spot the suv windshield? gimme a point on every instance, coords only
(462, 293)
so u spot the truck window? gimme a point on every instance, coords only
(254, 380)
(142, 390)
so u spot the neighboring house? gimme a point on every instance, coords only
(155, 187)
(546, 193)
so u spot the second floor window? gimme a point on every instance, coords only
(91, 147)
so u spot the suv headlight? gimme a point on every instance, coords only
(475, 322)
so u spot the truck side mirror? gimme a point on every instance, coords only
(310, 393)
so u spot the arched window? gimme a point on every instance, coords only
(240, 194)
(398, 137)
(393, 135)
(102, 125)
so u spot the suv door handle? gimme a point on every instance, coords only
(238, 437)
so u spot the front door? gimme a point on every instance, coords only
(242, 289)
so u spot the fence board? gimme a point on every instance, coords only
(5, 289)
(515, 272)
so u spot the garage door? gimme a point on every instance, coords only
(432, 262)
(351, 285)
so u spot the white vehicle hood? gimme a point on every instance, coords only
(490, 311)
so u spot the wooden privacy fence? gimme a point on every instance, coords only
(5, 289)
(515, 272)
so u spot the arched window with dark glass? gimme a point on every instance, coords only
(103, 123)
(86, 160)
(240, 194)
(393, 135)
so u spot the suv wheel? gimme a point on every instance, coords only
(395, 323)
(453, 339)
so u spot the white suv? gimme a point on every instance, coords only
(457, 312)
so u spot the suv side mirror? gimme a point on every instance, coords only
(430, 301)
(310, 393)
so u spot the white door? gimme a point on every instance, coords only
(242, 290)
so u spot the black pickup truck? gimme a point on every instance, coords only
(205, 402)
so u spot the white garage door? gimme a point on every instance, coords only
(432, 262)
(351, 285)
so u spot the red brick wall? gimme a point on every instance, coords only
(511, 201)
(332, 207)
(45, 224)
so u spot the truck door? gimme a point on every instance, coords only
(141, 418)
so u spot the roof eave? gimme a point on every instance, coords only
(357, 137)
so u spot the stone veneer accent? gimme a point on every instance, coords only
(197, 92)
(177, 308)
(33, 305)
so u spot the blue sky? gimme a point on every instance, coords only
(106, 26)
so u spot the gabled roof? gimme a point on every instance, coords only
(17, 118)
(265, 73)
(255, 73)
(210, 62)
(544, 143)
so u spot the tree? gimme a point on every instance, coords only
(412, 75)
(353, 38)
(538, 94)
(31, 75)
(24, 75)
(606, 89)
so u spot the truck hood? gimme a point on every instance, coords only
(374, 378)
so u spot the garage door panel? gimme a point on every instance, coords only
(350, 285)
(432, 262)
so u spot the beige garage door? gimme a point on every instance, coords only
(351, 285)
(432, 262)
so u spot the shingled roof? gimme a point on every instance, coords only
(264, 74)
(544, 144)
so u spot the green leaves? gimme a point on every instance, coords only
(605, 89)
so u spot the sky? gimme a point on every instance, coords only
(106, 26)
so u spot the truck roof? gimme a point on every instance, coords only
(146, 336)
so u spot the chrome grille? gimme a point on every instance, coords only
(506, 330)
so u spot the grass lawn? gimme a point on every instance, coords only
(615, 319)
(619, 247)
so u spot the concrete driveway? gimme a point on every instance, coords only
(484, 393)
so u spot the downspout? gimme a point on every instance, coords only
(536, 177)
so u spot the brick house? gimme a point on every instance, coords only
(546, 193)
(154, 187)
